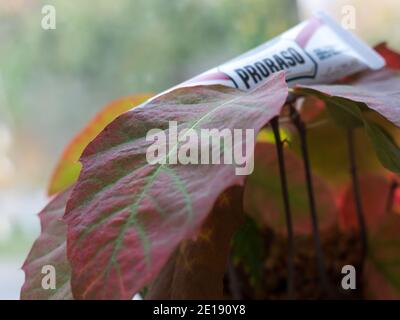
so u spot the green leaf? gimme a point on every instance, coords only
(248, 249)
(344, 112)
(384, 145)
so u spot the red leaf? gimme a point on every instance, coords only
(383, 266)
(49, 249)
(376, 285)
(196, 269)
(391, 57)
(310, 108)
(375, 192)
(379, 90)
(125, 216)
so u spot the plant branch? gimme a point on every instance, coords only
(389, 203)
(301, 128)
(285, 197)
(357, 194)
(234, 283)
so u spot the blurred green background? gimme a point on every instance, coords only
(53, 81)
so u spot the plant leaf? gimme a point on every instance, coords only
(49, 249)
(125, 217)
(249, 250)
(67, 169)
(196, 269)
(383, 265)
(385, 146)
(263, 196)
(344, 112)
(391, 57)
(379, 90)
(328, 151)
(310, 107)
(374, 191)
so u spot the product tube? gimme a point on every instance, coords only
(316, 51)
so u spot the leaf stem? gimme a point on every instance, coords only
(389, 203)
(286, 203)
(234, 282)
(357, 194)
(301, 128)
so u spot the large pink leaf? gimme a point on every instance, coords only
(125, 217)
(49, 249)
(379, 90)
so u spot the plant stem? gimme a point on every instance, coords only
(286, 204)
(234, 284)
(357, 195)
(301, 128)
(389, 203)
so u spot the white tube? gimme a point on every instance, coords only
(315, 51)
